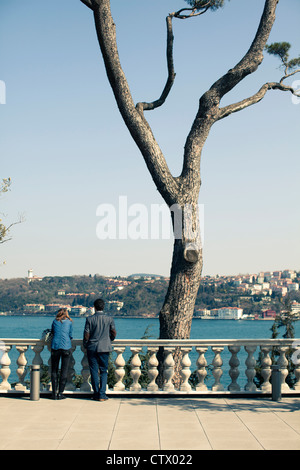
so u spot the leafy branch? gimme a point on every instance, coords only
(281, 50)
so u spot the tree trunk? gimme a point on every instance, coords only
(177, 312)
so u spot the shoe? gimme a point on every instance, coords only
(103, 399)
(60, 396)
(53, 396)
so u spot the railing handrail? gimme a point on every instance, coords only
(269, 351)
(170, 342)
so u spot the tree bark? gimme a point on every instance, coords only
(177, 311)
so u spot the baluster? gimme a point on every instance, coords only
(119, 371)
(250, 371)
(266, 363)
(5, 369)
(234, 368)
(185, 370)
(283, 363)
(217, 370)
(37, 348)
(168, 370)
(152, 369)
(21, 362)
(85, 372)
(70, 386)
(201, 369)
(135, 371)
(296, 361)
(37, 360)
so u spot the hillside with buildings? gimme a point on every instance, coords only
(249, 296)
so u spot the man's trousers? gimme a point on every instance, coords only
(98, 361)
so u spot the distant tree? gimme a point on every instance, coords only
(5, 229)
(285, 319)
(182, 192)
(4, 187)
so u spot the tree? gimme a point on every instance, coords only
(285, 319)
(4, 187)
(5, 230)
(181, 193)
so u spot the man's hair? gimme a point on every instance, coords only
(99, 304)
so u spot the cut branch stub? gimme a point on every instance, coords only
(191, 252)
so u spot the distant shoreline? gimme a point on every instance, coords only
(72, 316)
(130, 317)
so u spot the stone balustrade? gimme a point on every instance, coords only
(206, 366)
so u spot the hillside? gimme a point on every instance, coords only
(135, 295)
(138, 295)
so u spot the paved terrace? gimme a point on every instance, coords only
(163, 423)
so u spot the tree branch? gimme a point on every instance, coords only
(5, 230)
(249, 63)
(208, 111)
(88, 3)
(287, 75)
(235, 107)
(171, 73)
(193, 13)
(135, 121)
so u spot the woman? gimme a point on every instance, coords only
(62, 330)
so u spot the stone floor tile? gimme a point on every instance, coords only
(36, 444)
(81, 444)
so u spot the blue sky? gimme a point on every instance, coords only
(66, 149)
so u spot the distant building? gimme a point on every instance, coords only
(230, 313)
(293, 286)
(34, 308)
(268, 314)
(295, 307)
(78, 310)
(114, 304)
(257, 287)
(288, 273)
(202, 312)
(52, 308)
(268, 276)
(31, 277)
(280, 290)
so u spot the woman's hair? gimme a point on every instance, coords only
(62, 314)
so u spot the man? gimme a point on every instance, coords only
(99, 331)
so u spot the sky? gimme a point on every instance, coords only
(67, 151)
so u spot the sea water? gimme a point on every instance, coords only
(22, 326)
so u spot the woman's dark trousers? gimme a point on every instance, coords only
(65, 356)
